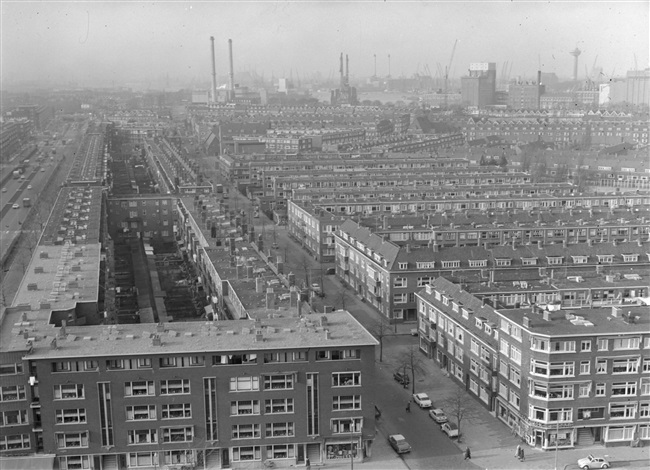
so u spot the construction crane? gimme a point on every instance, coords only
(451, 59)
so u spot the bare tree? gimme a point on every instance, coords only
(412, 361)
(459, 406)
(380, 330)
(305, 265)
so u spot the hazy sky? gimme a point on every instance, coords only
(104, 41)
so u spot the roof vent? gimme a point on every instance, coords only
(38, 270)
(32, 286)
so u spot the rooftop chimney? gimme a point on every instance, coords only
(232, 71)
(214, 72)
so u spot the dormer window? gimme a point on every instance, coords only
(478, 323)
(477, 263)
(605, 258)
(580, 259)
(630, 258)
(503, 261)
(403, 265)
(554, 259)
(529, 261)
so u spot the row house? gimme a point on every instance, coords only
(284, 184)
(558, 378)
(567, 291)
(559, 132)
(453, 193)
(388, 274)
(538, 196)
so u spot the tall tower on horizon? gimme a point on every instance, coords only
(575, 53)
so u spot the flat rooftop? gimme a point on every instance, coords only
(278, 330)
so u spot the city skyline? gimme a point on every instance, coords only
(116, 42)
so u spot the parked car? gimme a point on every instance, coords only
(399, 444)
(422, 400)
(438, 415)
(330, 271)
(401, 378)
(16, 206)
(450, 429)
(593, 462)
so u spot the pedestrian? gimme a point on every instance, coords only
(468, 454)
(521, 455)
(307, 464)
(408, 407)
(518, 452)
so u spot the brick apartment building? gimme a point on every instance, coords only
(565, 378)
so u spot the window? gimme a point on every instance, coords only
(68, 391)
(600, 390)
(346, 425)
(174, 387)
(176, 411)
(182, 361)
(602, 344)
(562, 369)
(244, 407)
(286, 356)
(234, 359)
(514, 399)
(72, 440)
(624, 389)
(585, 345)
(14, 393)
(620, 433)
(140, 412)
(563, 346)
(13, 442)
(180, 434)
(601, 366)
(178, 457)
(504, 347)
(515, 376)
(400, 298)
(278, 406)
(515, 355)
(142, 436)
(584, 389)
(337, 354)
(278, 382)
(346, 379)
(71, 416)
(347, 402)
(400, 282)
(243, 454)
(11, 369)
(139, 388)
(279, 429)
(13, 418)
(644, 386)
(244, 384)
(622, 410)
(539, 344)
(142, 459)
(74, 462)
(626, 343)
(402, 265)
(625, 366)
(585, 366)
(246, 431)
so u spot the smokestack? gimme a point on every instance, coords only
(341, 66)
(347, 68)
(539, 88)
(232, 71)
(214, 72)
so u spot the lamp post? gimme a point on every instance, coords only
(351, 443)
(557, 438)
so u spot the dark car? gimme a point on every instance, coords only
(401, 378)
(330, 271)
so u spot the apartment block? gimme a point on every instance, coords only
(558, 378)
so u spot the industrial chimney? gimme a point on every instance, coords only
(232, 72)
(214, 72)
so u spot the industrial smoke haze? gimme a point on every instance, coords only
(128, 43)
